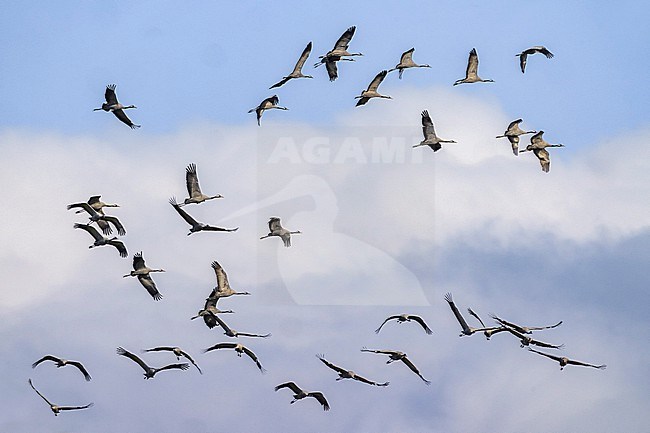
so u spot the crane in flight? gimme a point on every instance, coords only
(60, 362)
(297, 70)
(471, 73)
(115, 107)
(349, 374)
(523, 56)
(299, 394)
(56, 409)
(195, 225)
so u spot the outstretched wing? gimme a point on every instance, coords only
(540, 49)
(459, 317)
(509, 324)
(270, 101)
(160, 349)
(362, 101)
(383, 352)
(513, 124)
(90, 229)
(222, 277)
(421, 322)
(544, 159)
(116, 222)
(183, 366)
(189, 358)
(191, 221)
(109, 94)
(138, 261)
(472, 63)
(332, 70)
(208, 318)
(427, 126)
(105, 226)
(547, 345)
(537, 138)
(291, 385)
(407, 56)
(280, 83)
(584, 364)
(523, 57)
(192, 181)
(247, 334)
(220, 346)
(223, 325)
(91, 404)
(514, 143)
(132, 357)
(37, 392)
(150, 285)
(472, 313)
(274, 224)
(548, 355)
(84, 206)
(330, 365)
(209, 228)
(384, 322)
(252, 356)
(302, 59)
(374, 84)
(344, 40)
(81, 368)
(120, 247)
(368, 381)
(321, 399)
(539, 328)
(120, 114)
(46, 358)
(414, 369)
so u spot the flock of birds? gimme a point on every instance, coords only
(340, 53)
(98, 221)
(211, 313)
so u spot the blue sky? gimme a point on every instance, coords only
(387, 229)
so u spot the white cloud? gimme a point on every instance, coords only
(358, 219)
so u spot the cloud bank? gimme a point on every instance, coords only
(386, 229)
